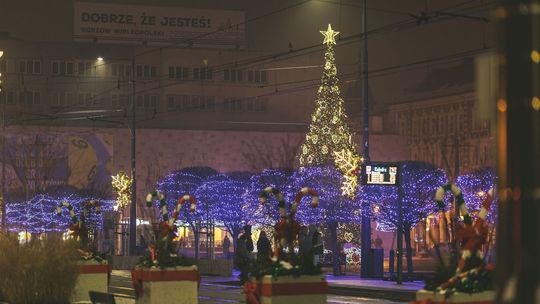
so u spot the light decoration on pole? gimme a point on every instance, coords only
(121, 184)
(328, 132)
(349, 165)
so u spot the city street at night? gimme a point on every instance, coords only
(269, 152)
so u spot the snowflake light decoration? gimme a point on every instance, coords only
(121, 184)
(349, 164)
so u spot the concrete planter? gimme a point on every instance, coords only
(307, 289)
(93, 276)
(177, 285)
(485, 297)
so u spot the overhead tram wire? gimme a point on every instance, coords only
(281, 55)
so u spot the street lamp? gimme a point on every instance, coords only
(133, 207)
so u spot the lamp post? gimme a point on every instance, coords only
(132, 231)
(133, 206)
(365, 244)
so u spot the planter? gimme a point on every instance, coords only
(93, 276)
(177, 285)
(485, 297)
(307, 289)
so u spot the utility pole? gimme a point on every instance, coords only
(399, 230)
(4, 192)
(133, 206)
(3, 198)
(365, 244)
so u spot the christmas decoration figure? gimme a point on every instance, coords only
(163, 254)
(328, 131)
(472, 274)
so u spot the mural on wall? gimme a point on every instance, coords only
(41, 162)
(90, 160)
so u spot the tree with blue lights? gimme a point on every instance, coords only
(333, 209)
(186, 181)
(225, 201)
(419, 181)
(267, 214)
(475, 186)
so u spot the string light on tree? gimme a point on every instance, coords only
(328, 131)
(121, 184)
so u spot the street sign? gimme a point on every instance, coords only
(380, 174)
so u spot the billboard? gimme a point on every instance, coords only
(381, 174)
(115, 22)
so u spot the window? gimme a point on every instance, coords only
(3, 66)
(121, 70)
(178, 72)
(204, 73)
(120, 100)
(29, 98)
(232, 75)
(257, 76)
(232, 104)
(7, 97)
(146, 71)
(62, 68)
(188, 103)
(37, 98)
(30, 67)
(147, 101)
(58, 99)
(85, 68)
(256, 105)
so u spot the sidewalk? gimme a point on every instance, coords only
(348, 285)
(353, 285)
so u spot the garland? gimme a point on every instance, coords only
(458, 195)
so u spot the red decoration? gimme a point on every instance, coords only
(283, 289)
(252, 291)
(138, 276)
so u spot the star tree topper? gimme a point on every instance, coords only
(329, 36)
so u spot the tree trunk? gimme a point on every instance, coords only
(197, 238)
(235, 231)
(335, 251)
(407, 236)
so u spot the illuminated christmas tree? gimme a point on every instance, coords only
(328, 133)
